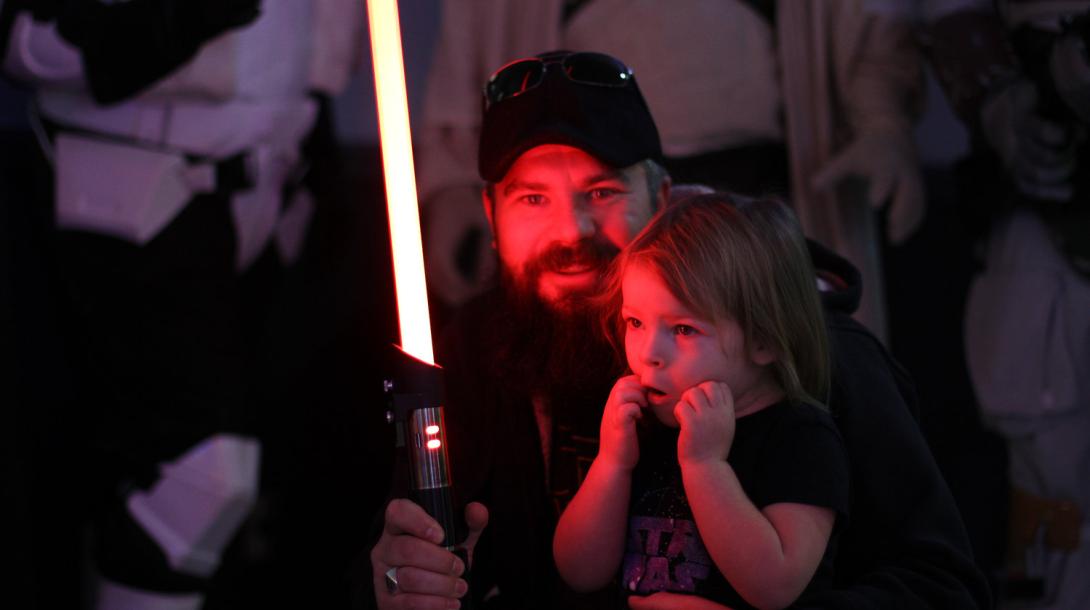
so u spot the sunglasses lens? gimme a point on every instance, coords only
(525, 74)
(514, 79)
(596, 69)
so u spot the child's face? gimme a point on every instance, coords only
(671, 349)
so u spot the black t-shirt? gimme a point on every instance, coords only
(783, 453)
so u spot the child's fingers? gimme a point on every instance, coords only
(725, 396)
(718, 392)
(684, 412)
(633, 395)
(629, 383)
(625, 414)
(697, 396)
(630, 410)
(711, 395)
(628, 389)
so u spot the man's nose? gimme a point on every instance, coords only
(573, 222)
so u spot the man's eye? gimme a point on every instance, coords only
(603, 194)
(533, 199)
(684, 330)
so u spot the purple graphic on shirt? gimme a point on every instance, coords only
(663, 554)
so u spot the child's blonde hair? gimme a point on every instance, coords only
(727, 257)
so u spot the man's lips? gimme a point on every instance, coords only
(572, 276)
(573, 269)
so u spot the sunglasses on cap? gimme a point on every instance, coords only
(585, 68)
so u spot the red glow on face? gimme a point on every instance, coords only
(431, 430)
(434, 443)
(568, 178)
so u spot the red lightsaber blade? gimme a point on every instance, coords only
(416, 391)
(397, 162)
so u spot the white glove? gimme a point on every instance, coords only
(456, 223)
(1039, 154)
(886, 159)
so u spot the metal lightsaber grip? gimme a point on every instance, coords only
(416, 410)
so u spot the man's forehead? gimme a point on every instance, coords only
(555, 150)
(547, 160)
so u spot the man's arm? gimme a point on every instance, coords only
(905, 546)
(879, 75)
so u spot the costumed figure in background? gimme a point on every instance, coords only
(757, 97)
(1018, 72)
(170, 134)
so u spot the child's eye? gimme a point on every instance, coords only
(684, 330)
(633, 322)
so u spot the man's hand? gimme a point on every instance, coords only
(460, 262)
(886, 158)
(672, 601)
(1038, 153)
(617, 441)
(706, 415)
(428, 576)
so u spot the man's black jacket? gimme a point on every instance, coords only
(905, 545)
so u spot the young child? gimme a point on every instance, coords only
(731, 489)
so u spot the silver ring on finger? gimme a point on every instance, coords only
(391, 580)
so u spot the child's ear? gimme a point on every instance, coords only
(762, 355)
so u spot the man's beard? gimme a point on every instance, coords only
(556, 349)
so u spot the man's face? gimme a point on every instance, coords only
(560, 216)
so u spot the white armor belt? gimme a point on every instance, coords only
(208, 129)
(133, 193)
(125, 191)
(131, 183)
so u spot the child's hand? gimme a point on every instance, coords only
(706, 415)
(618, 445)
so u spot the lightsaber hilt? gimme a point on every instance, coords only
(416, 410)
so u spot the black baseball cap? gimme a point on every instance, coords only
(577, 99)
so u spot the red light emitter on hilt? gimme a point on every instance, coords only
(415, 398)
